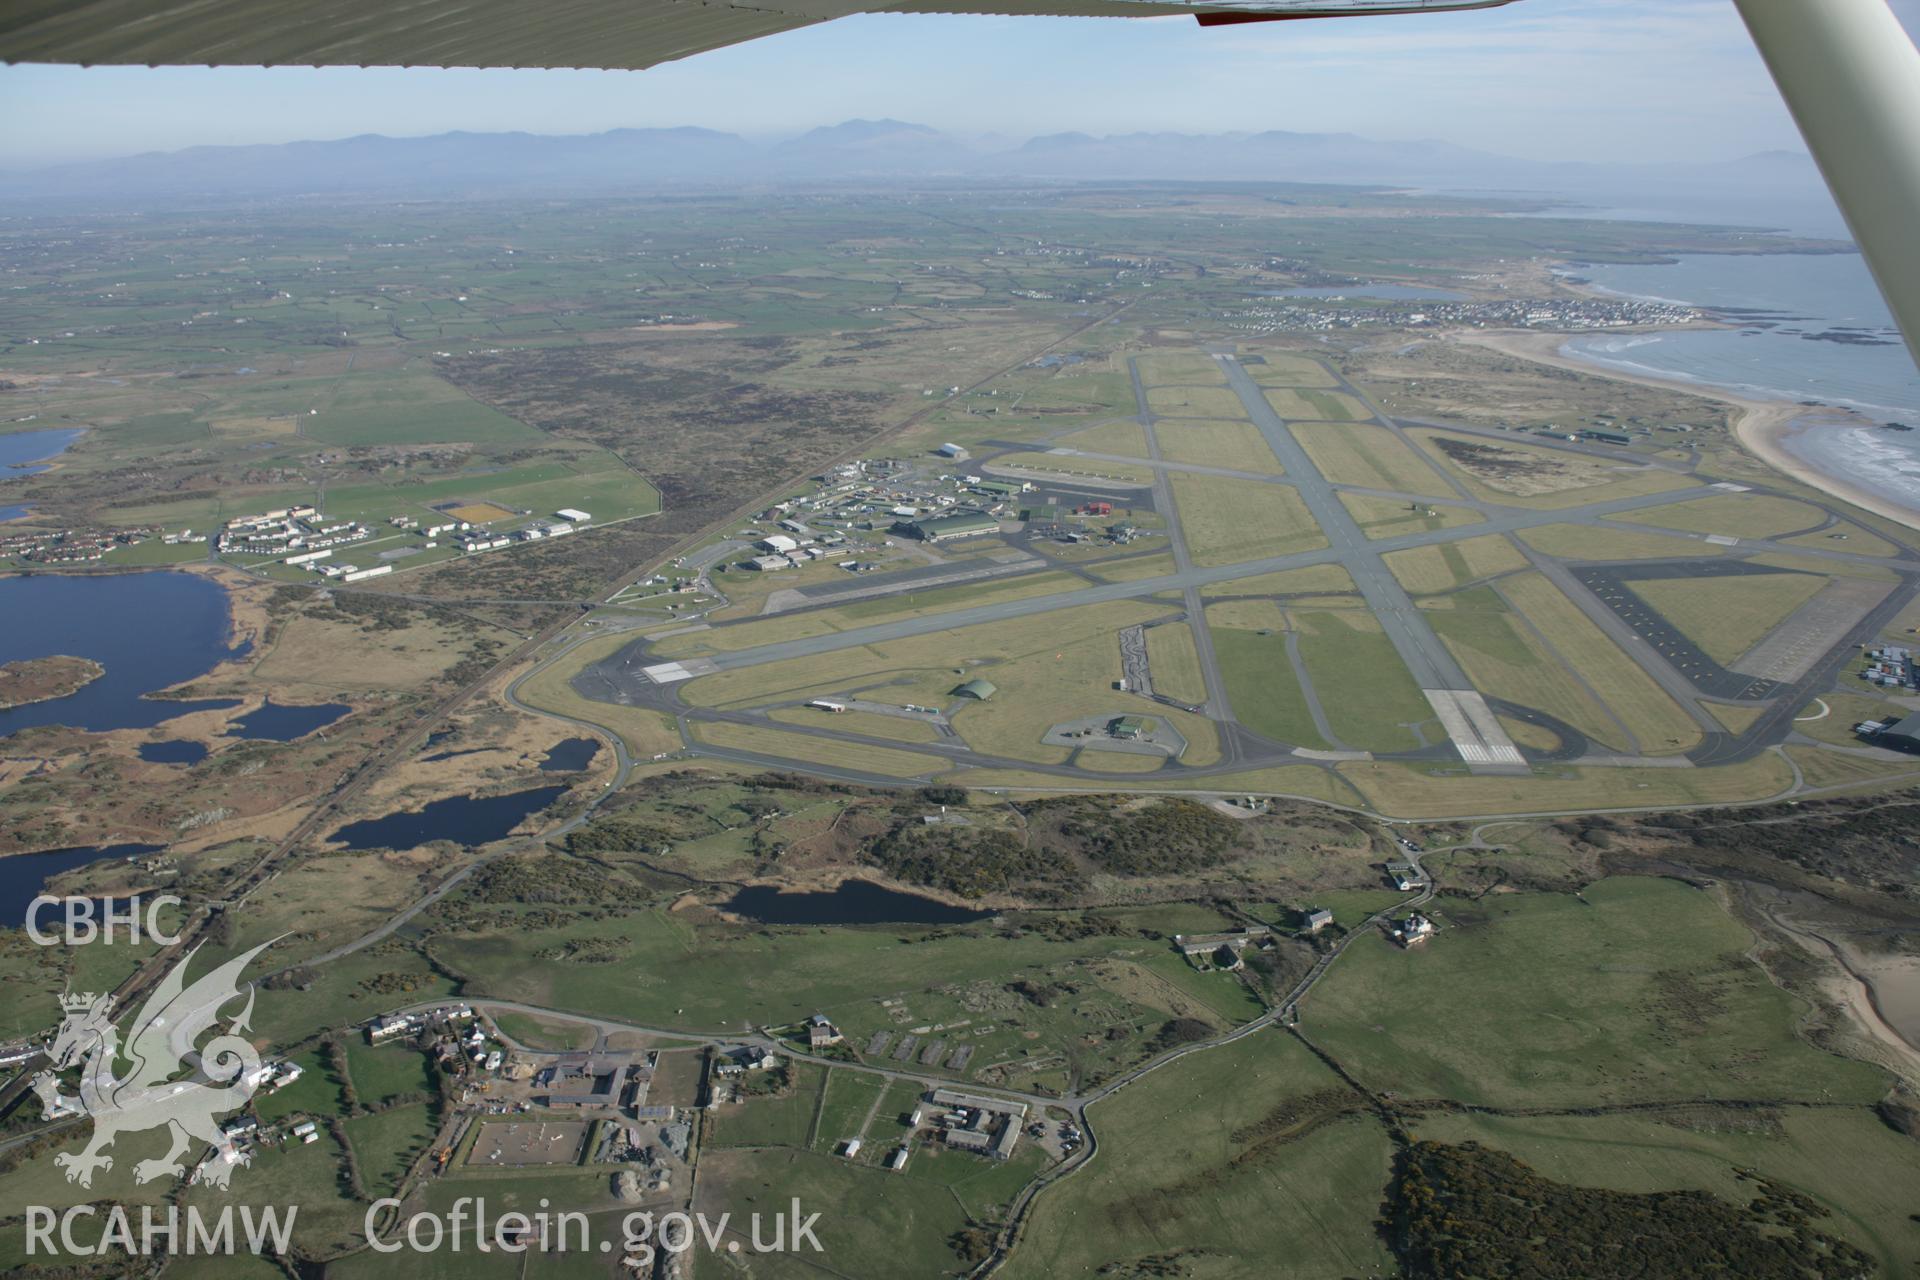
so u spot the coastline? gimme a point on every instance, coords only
(1760, 426)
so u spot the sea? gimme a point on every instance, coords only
(1813, 329)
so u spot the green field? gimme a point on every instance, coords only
(1727, 616)
(874, 1223)
(1189, 368)
(386, 1143)
(1367, 692)
(1230, 521)
(783, 1121)
(1195, 402)
(1637, 990)
(1368, 456)
(1175, 664)
(1504, 658)
(850, 1097)
(1653, 717)
(1237, 446)
(1447, 565)
(1393, 517)
(1277, 370)
(1249, 1160)
(1127, 438)
(1602, 541)
(1739, 515)
(404, 406)
(380, 1073)
(1316, 406)
(1262, 689)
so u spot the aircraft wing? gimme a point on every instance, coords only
(607, 34)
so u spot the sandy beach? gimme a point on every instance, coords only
(1760, 426)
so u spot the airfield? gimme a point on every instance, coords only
(1307, 596)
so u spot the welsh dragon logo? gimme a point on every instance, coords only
(163, 1037)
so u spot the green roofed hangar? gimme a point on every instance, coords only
(946, 528)
(977, 689)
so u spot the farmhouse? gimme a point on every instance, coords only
(582, 1081)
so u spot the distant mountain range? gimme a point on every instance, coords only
(1774, 188)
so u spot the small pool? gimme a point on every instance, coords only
(853, 902)
(275, 722)
(467, 820)
(173, 751)
(570, 756)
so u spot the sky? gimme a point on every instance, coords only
(1601, 80)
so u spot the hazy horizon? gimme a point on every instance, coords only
(1600, 80)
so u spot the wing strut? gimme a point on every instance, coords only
(1851, 77)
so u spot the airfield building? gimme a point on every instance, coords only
(978, 690)
(1899, 735)
(947, 528)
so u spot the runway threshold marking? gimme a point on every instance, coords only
(1472, 727)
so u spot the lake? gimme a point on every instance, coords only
(853, 902)
(24, 876)
(150, 631)
(570, 756)
(467, 820)
(21, 449)
(274, 722)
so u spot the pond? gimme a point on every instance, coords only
(570, 756)
(467, 820)
(173, 751)
(276, 722)
(150, 631)
(853, 902)
(24, 876)
(21, 449)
